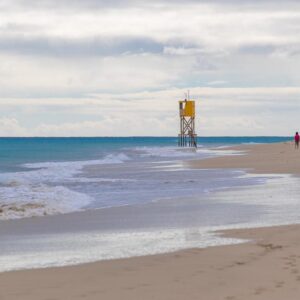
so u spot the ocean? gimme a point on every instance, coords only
(42, 176)
(73, 200)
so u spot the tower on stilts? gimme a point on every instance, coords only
(187, 136)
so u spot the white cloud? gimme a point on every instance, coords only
(11, 127)
(93, 66)
(220, 111)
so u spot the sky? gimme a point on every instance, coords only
(119, 67)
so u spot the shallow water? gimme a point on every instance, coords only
(149, 228)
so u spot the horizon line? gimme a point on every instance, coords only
(149, 136)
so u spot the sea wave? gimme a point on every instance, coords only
(56, 172)
(20, 201)
(39, 190)
(171, 152)
(78, 165)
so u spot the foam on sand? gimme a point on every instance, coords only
(78, 248)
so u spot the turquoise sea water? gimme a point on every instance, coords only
(17, 151)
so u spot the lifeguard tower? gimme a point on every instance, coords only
(187, 136)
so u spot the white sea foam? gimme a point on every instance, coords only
(175, 152)
(218, 152)
(40, 192)
(77, 248)
(19, 201)
(74, 167)
(172, 152)
(53, 172)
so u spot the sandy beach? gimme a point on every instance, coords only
(260, 159)
(266, 267)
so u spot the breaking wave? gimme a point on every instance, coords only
(172, 152)
(19, 200)
(39, 191)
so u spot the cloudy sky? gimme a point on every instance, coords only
(118, 67)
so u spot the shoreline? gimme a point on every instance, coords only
(266, 267)
(269, 259)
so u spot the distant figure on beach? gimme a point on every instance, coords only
(297, 140)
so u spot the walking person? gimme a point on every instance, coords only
(297, 137)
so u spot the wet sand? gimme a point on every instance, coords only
(266, 267)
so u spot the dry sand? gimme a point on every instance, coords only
(260, 158)
(268, 267)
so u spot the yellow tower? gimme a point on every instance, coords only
(187, 135)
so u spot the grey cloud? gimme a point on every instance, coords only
(257, 49)
(78, 47)
(269, 49)
(16, 28)
(71, 5)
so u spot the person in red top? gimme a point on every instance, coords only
(297, 137)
